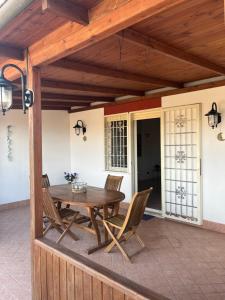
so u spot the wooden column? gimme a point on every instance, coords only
(35, 135)
(36, 201)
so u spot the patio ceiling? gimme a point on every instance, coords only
(168, 50)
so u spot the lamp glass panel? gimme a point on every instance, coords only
(6, 97)
(213, 120)
(77, 130)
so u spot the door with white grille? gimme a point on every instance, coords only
(181, 167)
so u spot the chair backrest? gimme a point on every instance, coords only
(49, 207)
(45, 181)
(136, 209)
(113, 183)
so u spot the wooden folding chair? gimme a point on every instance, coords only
(45, 181)
(61, 220)
(112, 183)
(127, 225)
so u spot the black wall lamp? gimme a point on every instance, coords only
(80, 127)
(6, 91)
(214, 117)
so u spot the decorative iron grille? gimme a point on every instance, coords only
(116, 137)
(181, 163)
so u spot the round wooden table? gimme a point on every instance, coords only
(94, 197)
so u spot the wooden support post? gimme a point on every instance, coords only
(35, 133)
(36, 202)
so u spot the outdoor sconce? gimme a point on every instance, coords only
(80, 126)
(6, 91)
(214, 118)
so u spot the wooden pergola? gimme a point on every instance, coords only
(85, 54)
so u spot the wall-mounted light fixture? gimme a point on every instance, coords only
(80, 127)
(6, 91)
(214, 117)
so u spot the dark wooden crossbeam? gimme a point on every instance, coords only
(112, 73)
(11, 52)
(69, 98)
(147, 41)
(56, 103)
(67, 9)
(73, 86)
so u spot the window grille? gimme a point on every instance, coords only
(116, 136)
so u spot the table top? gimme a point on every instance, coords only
(94, 196)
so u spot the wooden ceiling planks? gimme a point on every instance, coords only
(194, 26)
(129, 57)
(93, 69)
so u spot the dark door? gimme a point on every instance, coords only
(149, 159)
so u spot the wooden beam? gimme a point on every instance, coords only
(11, 52)
(46, 107)
(184, 90)
(67, 9)
(35, 137)
(67, 98)
(73, 86)
(171, 51)
(106, 19)
(112, 73)
(57, 103)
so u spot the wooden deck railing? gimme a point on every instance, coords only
(61, 274)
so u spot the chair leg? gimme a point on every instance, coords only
(47, 229)
(117, 243)
(67, 230)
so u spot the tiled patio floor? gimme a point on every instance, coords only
(180, 261)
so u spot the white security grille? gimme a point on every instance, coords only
(182, 163)
(116, 128)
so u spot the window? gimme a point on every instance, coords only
(116, 143)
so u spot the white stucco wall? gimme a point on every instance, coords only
(213, 151)
(14, 176)
(64, 151)
(87, 158)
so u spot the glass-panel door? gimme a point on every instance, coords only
(182, 164)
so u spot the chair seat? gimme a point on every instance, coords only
(67, 212)
(116, 221)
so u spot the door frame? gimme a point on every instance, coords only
(134, 117)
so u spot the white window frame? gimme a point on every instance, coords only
(111, 118)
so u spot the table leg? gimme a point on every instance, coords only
(105, 216)
(95, 224)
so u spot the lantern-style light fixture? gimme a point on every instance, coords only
(214, 117)
(80, 127)
(6, 91)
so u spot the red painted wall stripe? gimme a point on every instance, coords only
(132, 106)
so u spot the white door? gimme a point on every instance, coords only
(181, 163)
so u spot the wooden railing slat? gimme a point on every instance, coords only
(117, 295)
(97, 289)
(87, 281)
(56, 282)
(63, 279)
(37, 272)
(70, 281)
(107, 292)
(49, 276)
(79, 285)
(43, 272)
